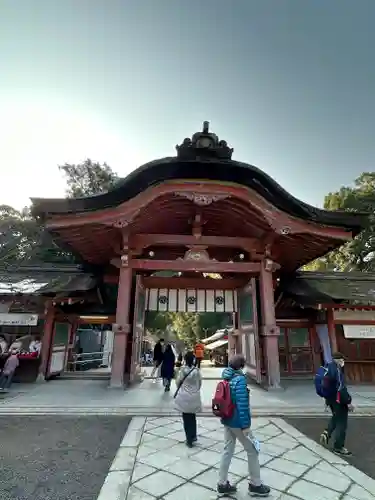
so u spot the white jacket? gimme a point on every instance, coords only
(188, 399)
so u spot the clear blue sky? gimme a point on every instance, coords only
(290, 84)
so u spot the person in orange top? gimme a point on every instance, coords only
(199, 354)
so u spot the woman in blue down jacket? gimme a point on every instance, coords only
(238, 427)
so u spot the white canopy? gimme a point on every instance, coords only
(219, 334)
(215, 345)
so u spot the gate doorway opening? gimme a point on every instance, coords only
(184, 331)
(185, 314)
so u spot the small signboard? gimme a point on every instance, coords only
(18, 319)
(344, 315)
(359, 332)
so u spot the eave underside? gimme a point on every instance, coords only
(99, 243)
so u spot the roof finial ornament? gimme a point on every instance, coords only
(204, 146)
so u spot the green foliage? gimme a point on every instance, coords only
(24, 241)
(316, 265)
(209, 322)
(358, 254)
(187, 327)
(157, 323)
(88, 178)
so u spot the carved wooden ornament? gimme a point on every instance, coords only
(202, 199)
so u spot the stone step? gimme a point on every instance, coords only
(162, 412)
(84, 376)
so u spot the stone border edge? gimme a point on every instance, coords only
(117, 482)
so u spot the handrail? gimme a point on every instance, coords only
(94, 356)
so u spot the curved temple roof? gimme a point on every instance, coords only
(200, 158)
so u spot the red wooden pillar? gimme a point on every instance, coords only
(49, 321)
(332, 330)
(269, 329)
(121, 328)
(233, 338)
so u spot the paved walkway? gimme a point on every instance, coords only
(56, 457)
(154, 463)
(147, 399)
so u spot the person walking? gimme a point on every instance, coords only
(238, 427)
(188, 397)
(199, 353)
(340, 403)
(157, 358)
(178, 364)
(10, 367)
(167, 367)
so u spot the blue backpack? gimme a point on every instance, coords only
(325, 386)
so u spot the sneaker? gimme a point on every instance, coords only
(259, 491)
(226, 489)
(342, 451)
(324, 438)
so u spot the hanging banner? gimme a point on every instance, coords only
(359, 332)
(18, 319)
(195, 301)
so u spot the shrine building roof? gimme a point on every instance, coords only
(203, 157)
(313, 288)
(199, 193)
(46, 280)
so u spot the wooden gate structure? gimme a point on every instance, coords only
(199, 215)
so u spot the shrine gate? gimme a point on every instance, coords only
(224, 229)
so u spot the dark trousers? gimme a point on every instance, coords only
(338, 424)
(198, 362)
(167, 383)
(190, 427)
(6, 380)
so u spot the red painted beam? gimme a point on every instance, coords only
(203, 267)
(147, 240)
(193, 283)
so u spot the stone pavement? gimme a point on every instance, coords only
(154, 463)
(92, 397)
(57, 457)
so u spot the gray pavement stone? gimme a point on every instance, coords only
(299, 470)
(57, 458)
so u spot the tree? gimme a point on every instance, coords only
(209, 322)
(188, 327)
(185, 325)
(88, 178)
(23, 241)
(157, 323)
(359, 253)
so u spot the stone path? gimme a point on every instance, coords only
(154, 463)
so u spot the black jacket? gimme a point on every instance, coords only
(158, 352)
(167, 367)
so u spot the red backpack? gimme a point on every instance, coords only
(222, 404)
